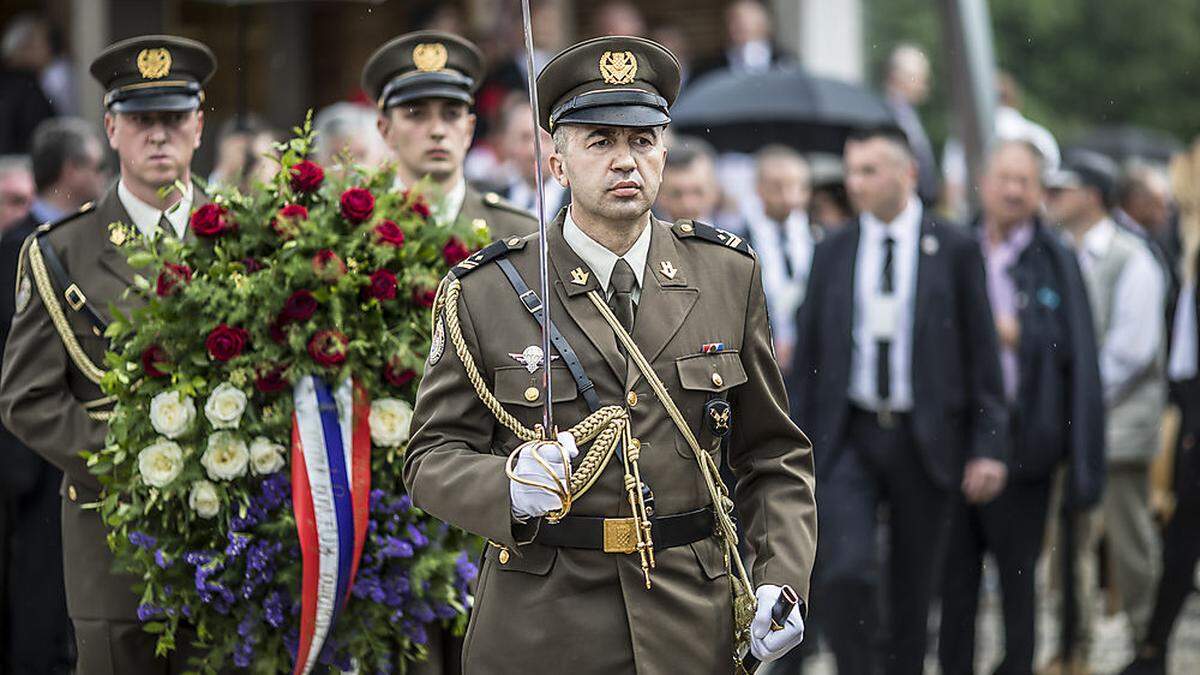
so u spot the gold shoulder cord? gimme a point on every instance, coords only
(739, 580)
(605, 426)
(50, 299)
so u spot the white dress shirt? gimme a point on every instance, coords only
(906, 231)
(601, 260)
(752, 57)
(777, 246)
(1135, 328)
(1183, 363)
(146, 217)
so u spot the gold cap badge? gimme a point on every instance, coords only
(154, 63)
(618, 67)
(430, 56)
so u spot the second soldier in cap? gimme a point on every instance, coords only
(662, 344)
(424, 84)
(70, 273)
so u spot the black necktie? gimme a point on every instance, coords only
(786, 250)
(887, 287)
(622, 283)
(165, 227)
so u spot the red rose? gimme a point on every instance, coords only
(307, 176)
(152, 357)
(270, 380)
(383, 285)
(396, 375)
(421, 208)
(357, 204)
(299, 307)
(328, 266)
(211, 220)
(286, 222)
(171, 276)
(388, 232)
(251, 265)
(328, 348)
(424, 296)
(455, 252)
(226, 342)
(277, 331)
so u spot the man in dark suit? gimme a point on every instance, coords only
(896, 373)
(1056, 411)
(750, 48)
(68, 168)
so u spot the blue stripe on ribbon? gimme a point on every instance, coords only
(340, 484)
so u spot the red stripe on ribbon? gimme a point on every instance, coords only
(306, 530)
(360, 475)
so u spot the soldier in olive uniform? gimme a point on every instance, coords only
(69, 272)
(424, 84)
(571, 596)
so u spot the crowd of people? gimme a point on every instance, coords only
(1019, 381)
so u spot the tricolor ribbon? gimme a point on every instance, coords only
(331, 483)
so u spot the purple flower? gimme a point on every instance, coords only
(467, 571)
(273, 609)
(146, 612)
(161, 559)
(396, 548)
(142, 540)
(418, 537)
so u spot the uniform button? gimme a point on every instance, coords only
(492, 198)
(71, 493)
(504, 556)
(513, 241)
(686, 227)
(717, 380)
(631, 399)
(532, 394)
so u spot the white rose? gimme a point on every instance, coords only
(225, 406)
(265, 457)
(204, 499)
(172, 413)
(160, 463)
(390, 420)
(226, 457)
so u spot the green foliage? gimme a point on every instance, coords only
(1081, 63)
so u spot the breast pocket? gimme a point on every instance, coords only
(703, 378)
(521, 391)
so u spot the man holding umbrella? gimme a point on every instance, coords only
(590, 568)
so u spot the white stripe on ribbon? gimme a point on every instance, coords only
(312, 441)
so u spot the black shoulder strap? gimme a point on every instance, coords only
(530, 299)
(694, 228)
(487, 254)
(75, 298)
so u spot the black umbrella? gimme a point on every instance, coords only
(742, 113)
(1121, 143)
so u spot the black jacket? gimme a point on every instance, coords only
(958, 398)
(1059, 411)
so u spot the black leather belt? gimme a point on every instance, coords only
(617, 535)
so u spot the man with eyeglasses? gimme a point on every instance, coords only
(69, 274)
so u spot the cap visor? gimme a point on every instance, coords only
(429, 91)
(157, 103)
(617, 116)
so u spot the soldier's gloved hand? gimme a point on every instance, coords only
(766, 644)
(532, 502)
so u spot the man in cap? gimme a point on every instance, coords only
(424, 84)
(1127, 290)
(69, 273)
(663, 327)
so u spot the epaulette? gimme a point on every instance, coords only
(496, 201)
(694, 228)
(85, 209)
(493, 251)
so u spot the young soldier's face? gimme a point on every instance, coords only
(429, 136)
(155, 148)
(613, 172)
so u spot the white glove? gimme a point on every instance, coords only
(766, 644)
(531, 502)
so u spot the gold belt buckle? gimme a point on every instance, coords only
(620, 535)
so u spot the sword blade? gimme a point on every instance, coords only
(543, 255)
